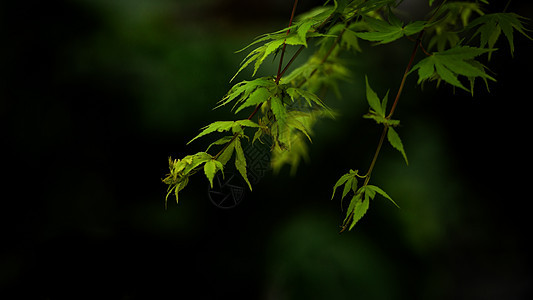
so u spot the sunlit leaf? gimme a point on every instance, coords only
(221, 126)
(210, 168)
(240, 161)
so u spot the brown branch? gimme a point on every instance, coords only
(398, 94)
(278, 78)
(405, 73)
(409, 65)
(280, 73)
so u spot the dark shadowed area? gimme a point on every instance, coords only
(96, 95)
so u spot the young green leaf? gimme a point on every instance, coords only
(384, 32)
(303, 29)
(247, 123)
(449, 64)
(220, 126)
(396, 142)
(373, 100)
(349, 180)
(221, 141)
(191, 162)
(359, 210)
(240, 161)
(340, 182)
(279, 110)
(210, 169)
(244, 89)
(176, 188)
(180, 186)
(277, 40)
(351, 184)
(226, 155)
(259, 96)
(375, 189)
(356, 198)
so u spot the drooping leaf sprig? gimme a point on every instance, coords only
(457, 39)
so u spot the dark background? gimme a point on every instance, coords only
(96, 95)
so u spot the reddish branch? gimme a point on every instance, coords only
(280, 73)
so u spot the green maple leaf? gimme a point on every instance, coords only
(221, 126)
(492, 25)
(298, 34)
(221, 141)
(372, 189)
(246, 92)
(378, 108)
(448, 65)
(396, 142)
(176, 189)
(181, 169)
(240, 161)
(358, 207)
(226, 155)
(360, 203)
(386, 32)
(349, 180)
(279, 110)
(210, 169)
(373, 100)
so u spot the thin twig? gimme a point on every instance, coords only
(278, 77)
(506, 6)
(406, 72)
(398, 94)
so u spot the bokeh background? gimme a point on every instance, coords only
(97, 94)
